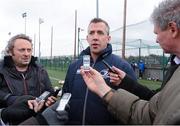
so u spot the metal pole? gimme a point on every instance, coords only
(25, 26)
(51, 41)
(34, 44)
(24, 15)
(78, 39)
(40, 22)
(39, 42)
(140, 42)
(97, 8)
(124, 30)
(163, 66)
(75, 28)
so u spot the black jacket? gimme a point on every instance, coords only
(13, 83)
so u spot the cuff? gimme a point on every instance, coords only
(108, 96)
(11, 99)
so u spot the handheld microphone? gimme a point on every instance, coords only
(108, 66)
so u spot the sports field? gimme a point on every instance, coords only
(57, 76)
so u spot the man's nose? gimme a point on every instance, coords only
(95, 37)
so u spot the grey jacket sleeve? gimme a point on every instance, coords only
(130, 109)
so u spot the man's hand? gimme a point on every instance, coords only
(95, 82)
(117, 76)
(51, 100)
(36, 106)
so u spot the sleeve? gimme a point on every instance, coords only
(134, 87)
(130, 109)
(4, 92)
(18, 111)
(32, 121)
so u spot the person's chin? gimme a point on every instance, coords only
(25, 63)
(96, 50)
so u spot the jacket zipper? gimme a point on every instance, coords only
(24, 84)
(85, 102)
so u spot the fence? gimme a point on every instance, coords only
(140, 45)
(57, 62)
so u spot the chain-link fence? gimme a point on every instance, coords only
(140, 45)
(57, 62)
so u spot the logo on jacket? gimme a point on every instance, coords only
(104, 73)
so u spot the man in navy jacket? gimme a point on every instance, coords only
(86, 107)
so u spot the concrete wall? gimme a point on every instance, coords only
(151, 73)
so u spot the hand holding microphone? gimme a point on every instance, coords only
(116, 75)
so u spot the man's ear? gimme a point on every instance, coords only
(11, 53)
(172, 26)
(87, 38)
(109, 38)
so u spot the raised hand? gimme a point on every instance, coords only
(95, 82)
(117, 76)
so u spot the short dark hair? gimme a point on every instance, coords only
(97, 20)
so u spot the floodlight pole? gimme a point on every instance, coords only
(97, 8)
(124, 30)
(24, 15)
(75, 32)
(140, 43)
(51, 43)
(40, 22)
(79, 29)
(78, 46)
(34, 44)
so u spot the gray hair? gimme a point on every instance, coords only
(167, 11)
(12, 40)
(98, 20)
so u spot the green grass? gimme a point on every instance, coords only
(150, 84)
(56, 75)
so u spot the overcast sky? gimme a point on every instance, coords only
(61, 14)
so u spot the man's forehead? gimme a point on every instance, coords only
(97, 26)
(19, 43)
(100, 24)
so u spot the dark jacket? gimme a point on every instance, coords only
(162, 109)
(13, 83)
(94, 108)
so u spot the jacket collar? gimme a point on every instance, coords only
(8, 61)
(107, 51)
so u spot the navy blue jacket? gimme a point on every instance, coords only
(85, 101)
